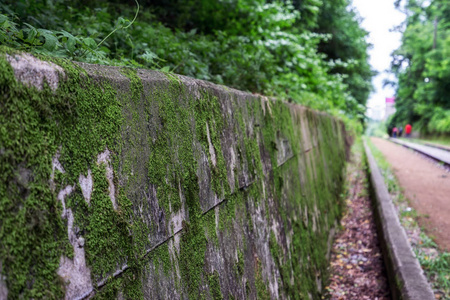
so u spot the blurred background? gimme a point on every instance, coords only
(375, 64)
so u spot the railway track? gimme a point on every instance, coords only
(438, 154)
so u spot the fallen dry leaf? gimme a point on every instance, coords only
(356, 266)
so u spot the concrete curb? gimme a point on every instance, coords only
(406, 278)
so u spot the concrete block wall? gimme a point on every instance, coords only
(128, 184)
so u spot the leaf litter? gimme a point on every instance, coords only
(356, 263)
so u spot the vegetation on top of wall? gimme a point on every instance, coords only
(310, 52)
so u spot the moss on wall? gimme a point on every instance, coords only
(219, 194)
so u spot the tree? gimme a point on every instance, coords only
(421, 65)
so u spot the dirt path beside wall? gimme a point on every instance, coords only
(425, 185)
(357, 270)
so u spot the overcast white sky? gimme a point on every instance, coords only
(379, 17)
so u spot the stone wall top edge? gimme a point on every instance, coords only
(113, 73)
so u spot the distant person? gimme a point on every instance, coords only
(408, 129)
(394, 132)
(400, 131)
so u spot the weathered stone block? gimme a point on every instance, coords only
(122, 183)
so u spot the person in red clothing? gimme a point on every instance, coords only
(408, 129)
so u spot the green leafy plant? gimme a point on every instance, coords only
(421, 65)
(274, 48)
(57, 43)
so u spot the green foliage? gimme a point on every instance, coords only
(376, 128)
(346, 49)
(422, 65)
(437, 268)
(47, 42)
(260, 46)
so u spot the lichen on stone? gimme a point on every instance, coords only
(35, 72)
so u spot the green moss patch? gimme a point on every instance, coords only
(285, 197)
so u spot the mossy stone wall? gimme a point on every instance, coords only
(129, 184)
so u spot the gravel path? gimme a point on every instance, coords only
(425, 185)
